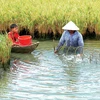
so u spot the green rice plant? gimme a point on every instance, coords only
(46, 15)
(5, 49)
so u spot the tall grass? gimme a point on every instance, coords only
(5, 49)
(47, 16)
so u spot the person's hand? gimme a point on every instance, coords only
(79, 55)
(15, 44)
(55, 51)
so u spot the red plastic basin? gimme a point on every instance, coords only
(25, 40)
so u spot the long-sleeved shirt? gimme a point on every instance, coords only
(73, 40)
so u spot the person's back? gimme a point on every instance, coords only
(73, 40)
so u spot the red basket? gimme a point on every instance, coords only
(25, 40)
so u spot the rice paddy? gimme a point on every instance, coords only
(5, 49)
(45, 18)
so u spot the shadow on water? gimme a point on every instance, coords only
(43, 75)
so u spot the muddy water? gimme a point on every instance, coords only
(43, 75)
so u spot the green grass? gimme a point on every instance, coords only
(50, 15)
(5, 49)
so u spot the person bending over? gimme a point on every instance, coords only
(71, 37)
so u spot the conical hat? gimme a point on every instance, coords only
(70, 26)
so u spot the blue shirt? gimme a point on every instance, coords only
(68, 39)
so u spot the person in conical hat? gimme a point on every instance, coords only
(71, 37)
(70, 26)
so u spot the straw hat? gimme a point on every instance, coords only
(70, 26)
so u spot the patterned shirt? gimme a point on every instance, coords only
(73, 40)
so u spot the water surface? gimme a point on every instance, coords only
(44, 75)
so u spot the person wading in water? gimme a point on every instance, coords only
(71, 37)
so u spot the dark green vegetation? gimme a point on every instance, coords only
(5, 50)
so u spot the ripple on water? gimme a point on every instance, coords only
(53, 77)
